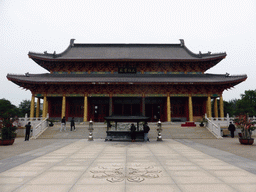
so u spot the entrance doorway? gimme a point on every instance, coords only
(75, 107)
(127, 106)
(54, 107)
(98, 108)
(155, 108)
(179, 111)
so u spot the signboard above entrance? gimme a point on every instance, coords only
(127, 70)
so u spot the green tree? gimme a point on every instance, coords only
(24, 108)
(230, 107)
(7, 109)
(247, 103)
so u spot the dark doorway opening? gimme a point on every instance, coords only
(127, 106)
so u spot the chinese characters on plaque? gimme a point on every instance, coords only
(127, 70)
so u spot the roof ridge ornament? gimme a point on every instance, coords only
(182, 42)
(200, 54)
(72, 42)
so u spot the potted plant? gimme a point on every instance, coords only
(246, 126)
(8, 131)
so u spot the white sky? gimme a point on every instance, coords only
(205, 25)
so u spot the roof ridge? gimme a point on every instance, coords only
(133, 51)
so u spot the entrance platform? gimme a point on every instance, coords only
(169, 131)
(81, 165)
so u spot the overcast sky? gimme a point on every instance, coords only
(205, 25)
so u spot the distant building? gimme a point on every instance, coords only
(160, 81)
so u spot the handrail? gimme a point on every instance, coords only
(213, 128)
(40, 128)
(39, 124)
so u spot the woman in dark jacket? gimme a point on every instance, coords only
(72, 124)
(232, 129)
(133, 132)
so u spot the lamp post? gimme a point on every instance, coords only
(159, 129)
(90, 138)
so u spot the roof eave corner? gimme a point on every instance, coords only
(29, 54)
(71, 44)
(53, 55)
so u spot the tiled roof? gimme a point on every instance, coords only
(126, 52)
(126, 78)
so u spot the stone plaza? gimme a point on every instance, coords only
(63, 163)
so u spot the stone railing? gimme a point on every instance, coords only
(39, 129)
(213, 128)
(34, 121)
(221, 121)
(224, 122)
(39, 124)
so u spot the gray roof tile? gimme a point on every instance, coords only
(126, 78)
(126, 52)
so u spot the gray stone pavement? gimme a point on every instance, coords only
(170, 165)
(188, 159)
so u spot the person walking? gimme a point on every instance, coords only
(72, 124)
(28, 129)
(146, 130)
(232, 129)
(133, 132)
(63, 124)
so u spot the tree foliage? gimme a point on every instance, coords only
(24, 108)
(7, 109)
(245, 105)
(230, 107)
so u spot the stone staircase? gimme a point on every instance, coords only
(170, 131)
(175, 131)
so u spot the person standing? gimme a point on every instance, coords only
(146, 130)
(72, 124)
(133, 132)
(28, 129)
(63, 124)
(232, 129)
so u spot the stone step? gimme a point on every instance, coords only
(169, 131)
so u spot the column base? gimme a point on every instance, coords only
(189, 124)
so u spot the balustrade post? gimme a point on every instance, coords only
(33, 132)
(219, 130)
(228, 119)
(26, 119)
